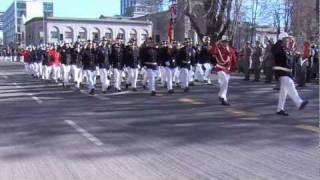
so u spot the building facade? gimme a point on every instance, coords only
(59, 30)
(1, 28)
(18, 13)
(136, 8)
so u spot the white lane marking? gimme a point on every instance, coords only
(17, 85)
(84, 133)
(38, 100)
(94, 96)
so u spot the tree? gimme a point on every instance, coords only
(209, 17)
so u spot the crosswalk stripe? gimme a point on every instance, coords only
(309, 128)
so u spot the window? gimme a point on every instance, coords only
(82, 34)
(21, 5)
(108, 34)
(121, 34)
(54, 34)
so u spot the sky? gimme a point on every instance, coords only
(79, 8)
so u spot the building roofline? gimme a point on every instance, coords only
(110, 20)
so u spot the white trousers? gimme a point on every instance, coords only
(132, 77)
(184, 77)
(176, 75)
(191, 74)
(199, 73)
(91, 78)
(46, 72)
(117, 73)
(55, 72)
(151, 79)
(27, 68)
(207, 72)
(162, 74)
(223, 79)
(287, 87)
(169, 77)
(145, 76)
(66, 73)
(105, 82)
(76, 74)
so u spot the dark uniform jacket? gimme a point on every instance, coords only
(33, 56)
(44, 57)
(148, 56)
(164, 56)
(103, 58)
(116, 57)
(283, 64)
(186, 57)
(89, 59)
(132, 58)
(204, 56)
(65, 56)
(76, 57)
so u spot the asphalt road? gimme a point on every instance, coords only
(48, 133)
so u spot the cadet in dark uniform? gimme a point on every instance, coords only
(117, 61)
(166, 60)
(45, 63)
(103, 53)
(148, 57)
(76, 64)
(66, 63)
(283, 69)
(186, 59)
(131, 61)
(89, 66)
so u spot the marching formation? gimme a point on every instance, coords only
(174, 64)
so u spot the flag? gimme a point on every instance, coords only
(170, 30)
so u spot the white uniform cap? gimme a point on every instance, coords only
(283, 35)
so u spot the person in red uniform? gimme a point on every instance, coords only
(25, 54)
(225, 64)
(55, 63)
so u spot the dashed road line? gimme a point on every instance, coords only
(84, 133)
(38, 100)
(190, 101)
(241, 112)
(309, 128)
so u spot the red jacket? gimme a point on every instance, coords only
(25, 54)
(225, 57)
(55, 57)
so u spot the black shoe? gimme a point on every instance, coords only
(153, 93)
(178, 85)
(224, 102)
(171, 92)
(256, 80)
(144, 87)
(134, 89)
(127, 86)
(282, 113)
(104, 92)
(118, 90)
(191, 84)
(109, 88)
(92, 92)
(276, 88)
(303, 105)
(186, 90)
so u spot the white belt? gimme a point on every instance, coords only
(282, 69)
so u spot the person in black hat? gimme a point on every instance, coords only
(165, 59)
(148, 56)
(117, 61)
(89, 66)
(131, 61)
(103, 61)
(65, 52)
(186, 59)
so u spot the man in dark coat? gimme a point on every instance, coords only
(131, 61)
(89, 66)
(283, 70)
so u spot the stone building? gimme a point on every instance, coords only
(58, 30)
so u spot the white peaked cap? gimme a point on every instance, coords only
(283, 35)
